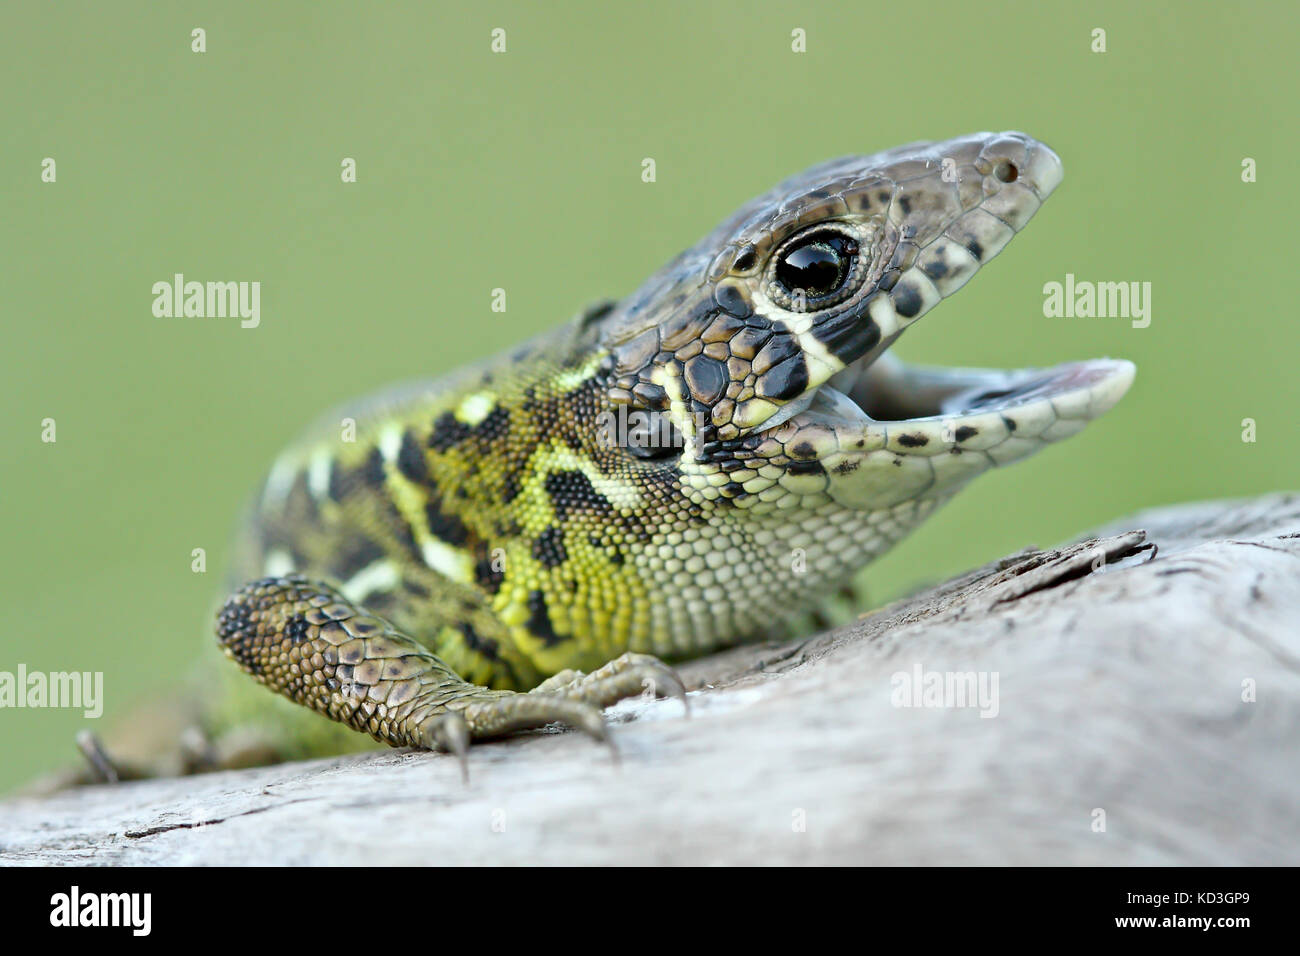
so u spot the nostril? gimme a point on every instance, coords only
(1006, 171)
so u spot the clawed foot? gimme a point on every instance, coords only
(627, 676)
(570, 697)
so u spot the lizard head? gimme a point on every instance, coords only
(756, 363)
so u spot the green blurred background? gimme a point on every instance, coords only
(522, 171)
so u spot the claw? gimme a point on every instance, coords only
(666, 683)
(591, 721)
(584, 717)
(449, 733)
(93, 750)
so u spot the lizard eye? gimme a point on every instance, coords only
(817, 268)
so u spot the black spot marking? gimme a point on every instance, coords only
(975, 249)
(803, 450)
(913, 441)
(549, 547)
(779, 347)
(907, 301)
(847, 466)
(494, 427)
(410, 459)
(296, 628)
(935, 268)
(401, 529)
(805, 468)
(335, 488)
(488, 576)
(1009, 422)
(447, 431)
(905, 204)
(732, 301)
(848, 336)
(784, 381)
(510, 487)
(572, 491)
(966, 431)
(372, 472)
(481, 645)
(539, 620)
(444, 525)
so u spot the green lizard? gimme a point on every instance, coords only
(665, 475)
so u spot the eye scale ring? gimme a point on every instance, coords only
(816, 269)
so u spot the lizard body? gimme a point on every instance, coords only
(665, 475)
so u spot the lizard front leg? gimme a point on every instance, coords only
(304, 640)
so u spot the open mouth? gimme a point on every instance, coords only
(936, 401)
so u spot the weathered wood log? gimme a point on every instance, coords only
(1141, 705)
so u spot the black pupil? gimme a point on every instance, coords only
(818, 265)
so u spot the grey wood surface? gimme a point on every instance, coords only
(1147, 711)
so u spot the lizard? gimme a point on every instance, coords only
(533, 539)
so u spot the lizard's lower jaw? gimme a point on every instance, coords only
(888, 432)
